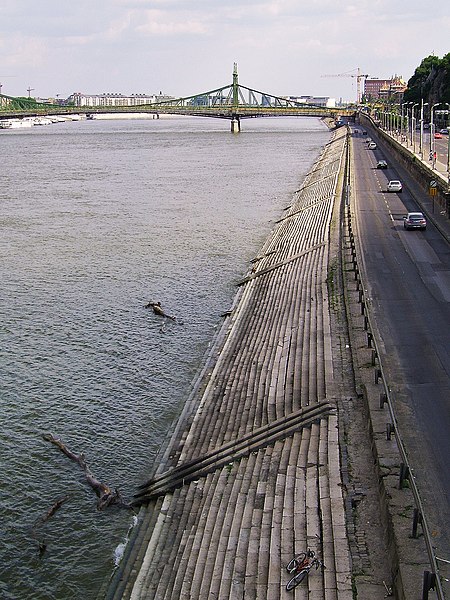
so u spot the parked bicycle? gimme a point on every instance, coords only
(300, 566)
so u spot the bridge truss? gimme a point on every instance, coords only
(233, 102)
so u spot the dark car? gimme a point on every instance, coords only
(382, 164)
(414, 220)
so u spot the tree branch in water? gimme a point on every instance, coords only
(106, 496)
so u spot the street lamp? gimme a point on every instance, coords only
(421, 128)
(402, 124)
(448, 145)
(432, 141)
(413, 127)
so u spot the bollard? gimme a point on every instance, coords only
(417, 518)
(366, 323)
(360, 295)
(378, 375)
(369, 345)
(383, 399)
(363, 307)
(389, 431)
(404, 475)
(429, 583)
(374, 357)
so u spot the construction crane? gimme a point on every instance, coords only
(359, 77)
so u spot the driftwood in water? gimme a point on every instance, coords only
(43, 519)
(106, 496)
(158, 310)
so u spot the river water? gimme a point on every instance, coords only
(97, 218)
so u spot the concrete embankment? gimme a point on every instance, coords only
(251, 473)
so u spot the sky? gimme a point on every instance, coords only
(186, 47)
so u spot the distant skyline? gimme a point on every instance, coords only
(182, 48)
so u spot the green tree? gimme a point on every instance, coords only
(431, 81)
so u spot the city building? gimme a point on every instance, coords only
(102, 100)
(375, 89)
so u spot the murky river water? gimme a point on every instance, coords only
(97, 218)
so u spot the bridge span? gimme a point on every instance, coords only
(233, 102)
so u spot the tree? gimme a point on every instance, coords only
(431, 81)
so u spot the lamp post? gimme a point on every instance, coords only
(402, 124)
(413, 127)
(421, 128)
(432, 142)
(448, 146)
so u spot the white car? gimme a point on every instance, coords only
(372, 146)
(394, 186)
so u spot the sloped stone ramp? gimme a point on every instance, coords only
(251, 474)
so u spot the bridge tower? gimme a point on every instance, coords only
(235, 122)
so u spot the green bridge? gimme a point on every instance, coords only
(233, 102)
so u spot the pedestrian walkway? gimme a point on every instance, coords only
(252, 473)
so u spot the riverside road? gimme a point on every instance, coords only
(408, 279)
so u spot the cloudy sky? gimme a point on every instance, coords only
(184, 47)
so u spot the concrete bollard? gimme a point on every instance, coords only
(404, 475)
(417, 518)
(389, 431)
(429, 583)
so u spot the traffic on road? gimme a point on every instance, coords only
(407, 268)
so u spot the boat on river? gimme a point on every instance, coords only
(16, 123)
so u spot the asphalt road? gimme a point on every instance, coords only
(408, 274)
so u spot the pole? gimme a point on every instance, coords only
(448, 147)
(432, 140)
(413, 127)
(421, 128)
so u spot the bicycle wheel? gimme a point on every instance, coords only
(296, 562)
(298, 578)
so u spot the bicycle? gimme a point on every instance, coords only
(301, 565)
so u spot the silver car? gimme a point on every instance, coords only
(415, 220)
(394, 186)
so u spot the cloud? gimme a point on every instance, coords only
(184, 47)
(23, 51)
(158, 22)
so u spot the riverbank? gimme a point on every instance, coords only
(252, 472)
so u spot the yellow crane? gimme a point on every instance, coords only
(359, 77)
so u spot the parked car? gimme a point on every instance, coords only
(372, 146)
(382, 164)
(444, 131)
(438, 135)
(368, 140)
(414, 220)
(394, 186)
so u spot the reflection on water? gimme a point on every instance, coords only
(97, 218)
